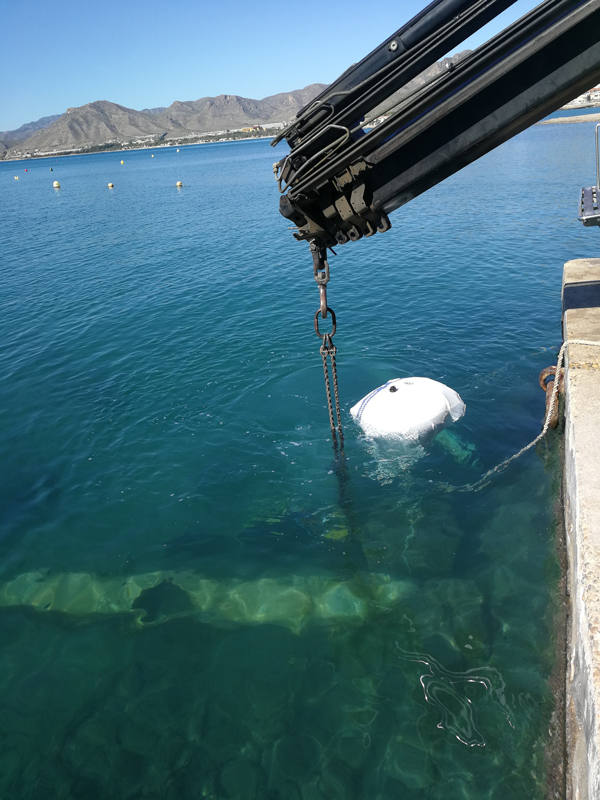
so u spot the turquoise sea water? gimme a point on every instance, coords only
(194, 601)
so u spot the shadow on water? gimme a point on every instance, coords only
(418, 678)
(344, 538)
(27, 496)
(273, 546)
(192, 603)
(183, 709)
(426, 685)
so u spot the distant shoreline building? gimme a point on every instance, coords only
(589, 98)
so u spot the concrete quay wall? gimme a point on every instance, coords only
(581, 320)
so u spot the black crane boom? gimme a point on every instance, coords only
(340, 181)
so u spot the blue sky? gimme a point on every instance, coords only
(145, 54)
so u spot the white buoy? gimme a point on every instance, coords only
(179, 184)
(122, 162)
(56, 184)
(408, 408)
(111, 185)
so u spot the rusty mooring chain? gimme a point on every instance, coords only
(327, 350)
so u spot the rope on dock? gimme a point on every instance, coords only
(485, 478)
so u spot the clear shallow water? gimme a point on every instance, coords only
(192, 603)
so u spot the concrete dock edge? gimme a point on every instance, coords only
(581, 320)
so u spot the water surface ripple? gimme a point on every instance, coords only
(194, 602)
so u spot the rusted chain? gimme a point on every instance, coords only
(336, 395)
(324, 350)
(328, 351)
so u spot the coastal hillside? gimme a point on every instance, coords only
(227, 111)
(92, 124)
(8, 138)
(102, 123)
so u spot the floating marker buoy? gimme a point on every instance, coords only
(56, 184)
(177, 149)
(408, 408)
(152, 156)
(111, 185)
(179, 184)
(16, 177)
(122, 162)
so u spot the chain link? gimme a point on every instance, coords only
(325, 351)
(328, 351)
(336, 394)
(321, 274)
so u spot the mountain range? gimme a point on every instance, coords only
(103, 124)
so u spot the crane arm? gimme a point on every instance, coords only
(341, 179)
